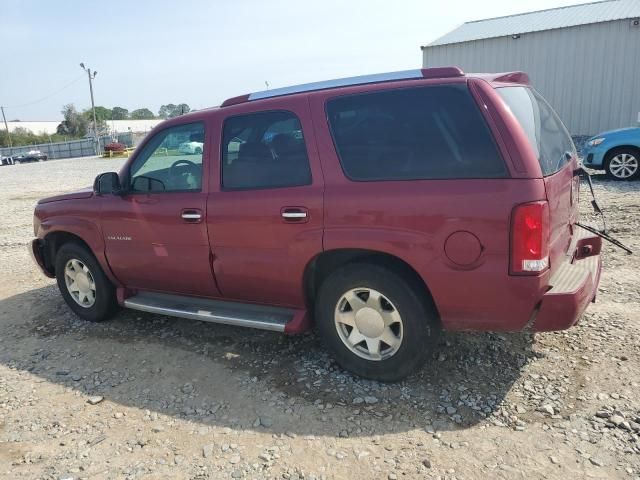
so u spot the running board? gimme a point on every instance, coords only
(216, 311)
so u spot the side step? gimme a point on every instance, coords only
(216, 311)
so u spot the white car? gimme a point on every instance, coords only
(192, 148)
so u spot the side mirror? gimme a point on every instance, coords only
(107, 183)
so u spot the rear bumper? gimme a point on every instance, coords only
(573, 287)
(36, 250)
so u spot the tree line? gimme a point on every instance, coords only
(77, 124)
(104, 114)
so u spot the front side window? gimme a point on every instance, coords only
(434, 132)
(170, 162)
(264, 150)
(547, 135)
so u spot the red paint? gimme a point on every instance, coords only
(456, 234)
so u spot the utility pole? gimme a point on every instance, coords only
(6, 126)
(93, 105)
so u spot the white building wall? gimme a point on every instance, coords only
(589, 73)
(118, 126)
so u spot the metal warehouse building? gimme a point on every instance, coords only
(585, 59)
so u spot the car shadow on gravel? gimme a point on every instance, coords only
(249, 379)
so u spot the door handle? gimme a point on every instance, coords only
(295, 214)
(191, 215)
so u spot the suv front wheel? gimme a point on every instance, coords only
(376, 323)
(83, 284)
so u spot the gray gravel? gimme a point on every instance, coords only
(144, 396)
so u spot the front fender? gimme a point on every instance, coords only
(86, 230)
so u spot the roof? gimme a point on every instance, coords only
(437, 72)
(570, 16)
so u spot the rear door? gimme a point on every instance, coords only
(557, 156)
(265, 209)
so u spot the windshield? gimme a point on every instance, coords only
(547, 134)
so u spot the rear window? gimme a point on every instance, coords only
(434, 132)
(547, 134)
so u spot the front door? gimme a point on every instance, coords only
(265, 207)
(155, 234)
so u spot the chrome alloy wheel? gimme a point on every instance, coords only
(623, 165)
(80, 283)
(368, 324)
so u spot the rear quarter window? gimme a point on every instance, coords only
(434, 132)
(547, 134)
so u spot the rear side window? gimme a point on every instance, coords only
(434, 132)
(264, 150)
(547, 135)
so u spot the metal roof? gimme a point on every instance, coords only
(569, 16)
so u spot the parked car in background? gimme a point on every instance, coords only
(5, 160)
(380, 208)
(617, 152)
(191, 148)
(30, 156)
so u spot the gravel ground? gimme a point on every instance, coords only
(157, 397)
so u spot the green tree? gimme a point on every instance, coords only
(170, 110)
(142, 114)
(119, 113)
(166, 110)
(74, 123)
(102, 114)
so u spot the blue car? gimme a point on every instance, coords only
(617, 152)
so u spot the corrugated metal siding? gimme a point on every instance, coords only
(589, 73)
(550, 19)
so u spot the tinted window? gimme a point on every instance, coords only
(417, 133)
(170, 161)
(547, 135)
(264, 150)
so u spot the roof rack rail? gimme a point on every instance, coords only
(436, 72)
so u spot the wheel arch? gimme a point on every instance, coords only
(325, 263)
(610, 152)
(86, 237)
(55, 240)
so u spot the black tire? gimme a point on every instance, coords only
(197, 151)
(105, 304)
(616, 152)
(419, 320)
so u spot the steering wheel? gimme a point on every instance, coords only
(180, 169)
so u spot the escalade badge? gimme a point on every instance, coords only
(118, 237)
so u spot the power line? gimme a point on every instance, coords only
(46, 97)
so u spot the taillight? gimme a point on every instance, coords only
(530, 238)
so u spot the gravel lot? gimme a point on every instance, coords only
(156, 397)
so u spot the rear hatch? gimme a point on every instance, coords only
(558, 160)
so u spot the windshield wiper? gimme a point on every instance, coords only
(596, 208)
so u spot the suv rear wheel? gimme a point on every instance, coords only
(376, 323)
(83, 284)
(623, 163)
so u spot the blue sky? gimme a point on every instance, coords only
(201, 52)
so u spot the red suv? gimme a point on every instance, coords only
(378, 209)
